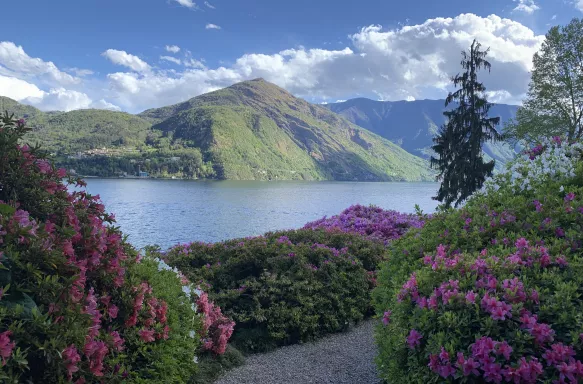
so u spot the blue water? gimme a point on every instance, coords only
(167, 212)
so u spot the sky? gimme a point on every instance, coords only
(131, 55)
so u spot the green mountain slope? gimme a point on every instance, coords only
(256, 130)
(252, 130)
(80, 130)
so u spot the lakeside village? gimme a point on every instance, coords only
(118, 152)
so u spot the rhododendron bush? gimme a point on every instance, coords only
(372, 222)
(492, 292)
(76, 303)
(285, 287)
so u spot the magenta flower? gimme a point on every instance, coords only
(492, 372)
(414, 339)
(560, 232)
(468, 366)
(117, 341)
(528, 372)
(538, 206)
(147, 335)
(112, 311)
(504, 349)
(71, 357)
(6, 346)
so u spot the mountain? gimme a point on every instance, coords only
(256, 130)
(413, 124)
(252, 130)
(80, 130)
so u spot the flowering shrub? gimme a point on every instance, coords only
(216, 328)
(284, 287)
(372, 222)
(551, 160)
(491, 292)
(75, 302)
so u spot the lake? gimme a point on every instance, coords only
(167, 212)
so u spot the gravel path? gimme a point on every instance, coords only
(342, 358)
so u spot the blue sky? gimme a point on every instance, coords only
(123, 54)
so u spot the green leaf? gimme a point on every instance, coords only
(7, 210)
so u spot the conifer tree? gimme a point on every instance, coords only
(458, 145)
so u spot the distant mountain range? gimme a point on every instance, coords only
(413, 124)
(252, 130)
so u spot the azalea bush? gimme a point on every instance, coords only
(373, 222)
(492, 292)
(76, 302)
(284, 287)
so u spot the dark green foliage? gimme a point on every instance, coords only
(462, 169)
(286, 287)
(211, 367)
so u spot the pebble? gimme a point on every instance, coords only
(342, 358)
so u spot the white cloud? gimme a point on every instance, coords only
(186, 3)
(527, 6)
(173, 48)
(15, 62)
(404, 63)
(60, 99)
(80, 72)
(193, 63)
(102, 104)
(554, 17)
(171, 59)
(125, 59)
(410, 61)
(209, 5)
(578, 4)
(18, 89)
(214, 26)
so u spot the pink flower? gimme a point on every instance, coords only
(414, 339)
(569, 197)
(504, 349)
(387, 317)
(567, 371)
(471, 297)
(492, 372)
(558, 354)
(147, 335)
(468, 366)
(95, 352)
(44, 166)
(542, 333)
(561, 261)
(528, 372)
(116, 341)
(534, 296)
(6, 346)
(112, 311)
(71, 358)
